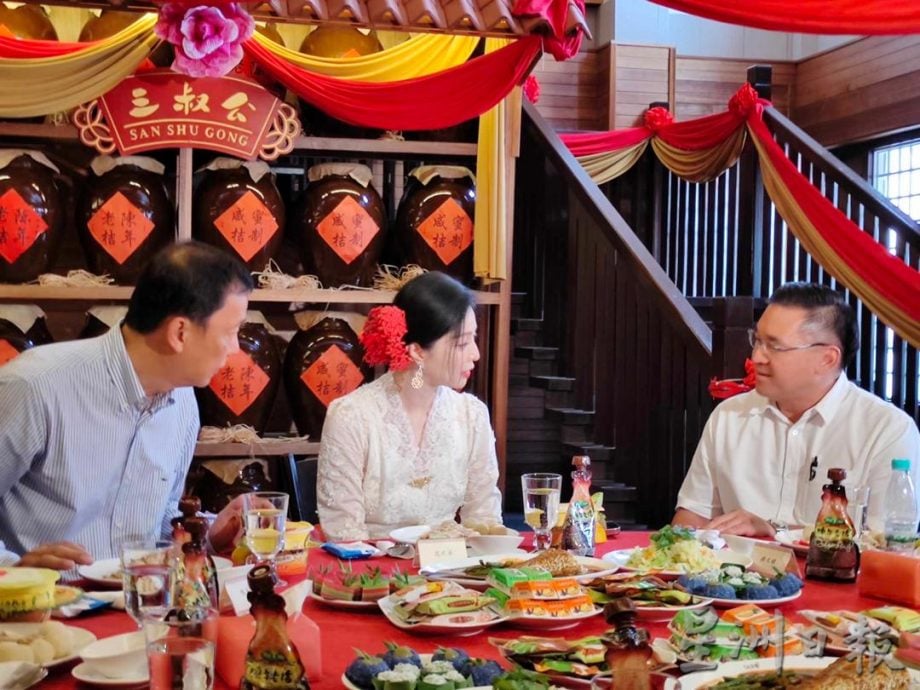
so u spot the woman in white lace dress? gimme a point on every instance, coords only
(407, 449)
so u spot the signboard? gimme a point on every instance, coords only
(162, 109)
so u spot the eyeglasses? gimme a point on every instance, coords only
(769, 347)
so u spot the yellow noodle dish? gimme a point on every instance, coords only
(24, 590)
(674, 549)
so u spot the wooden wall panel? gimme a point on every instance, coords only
(704, 85)
(642, 75)
(863, 89)
(571, 91)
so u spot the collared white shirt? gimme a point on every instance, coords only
(85, 455)
(752, 457)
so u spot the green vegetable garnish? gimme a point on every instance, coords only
(669, 535)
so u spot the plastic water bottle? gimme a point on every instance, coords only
(901, 520)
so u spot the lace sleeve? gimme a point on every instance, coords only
(340, 474)
(483, 500)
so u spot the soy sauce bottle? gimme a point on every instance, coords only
(832, 552)
(628, 649)
(272, 660)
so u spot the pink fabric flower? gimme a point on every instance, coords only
(532, 89)
(208, 40)
(657, 117)
(744, 101)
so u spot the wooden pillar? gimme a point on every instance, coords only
(731, 319)
(658, 196)
(749, 264)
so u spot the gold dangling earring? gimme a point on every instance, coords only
(418, 378)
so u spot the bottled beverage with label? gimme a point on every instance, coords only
(901, 503)
(832, 551)
(578, 529)
(196, 590)
(272, 660)
(188, 507)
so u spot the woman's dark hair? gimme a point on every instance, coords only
(189, 279)
(827, 310)
(435, 304)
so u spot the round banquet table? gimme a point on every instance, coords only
(343, 631)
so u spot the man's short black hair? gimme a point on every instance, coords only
(189, 279)
(827, 309)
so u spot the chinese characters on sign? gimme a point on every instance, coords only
(448, 231)
(247, 225)
(162, 108)
(239, 382)
(348, 229)
(332, 375)
(20, 226)
(119, 227)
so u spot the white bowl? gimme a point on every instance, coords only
(495, 543)
(119, 656)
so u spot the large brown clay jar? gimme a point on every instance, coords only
(28, 21)
(244, 390)
(126, 216)
(339, 223)
(322, 363)
(434, 223)
(110, 22)
(238, 208)
(22, 326)
(31, 215)
(99, 320)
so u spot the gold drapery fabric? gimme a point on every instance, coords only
(703, 165)
(38, 86)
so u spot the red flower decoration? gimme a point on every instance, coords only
(532, 89)
(727, 388)
(750, 378)
(744, 101)
(382, 338)
(657, 117)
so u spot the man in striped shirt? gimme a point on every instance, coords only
(96, 436)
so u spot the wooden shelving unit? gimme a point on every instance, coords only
(245, 450)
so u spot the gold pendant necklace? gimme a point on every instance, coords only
(420, 482)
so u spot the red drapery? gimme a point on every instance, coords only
(434, 101)
(18, 48)
(810, 16)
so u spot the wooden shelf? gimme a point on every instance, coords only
(123, 293)
(368, 147)
(39, 130)
(245, 450)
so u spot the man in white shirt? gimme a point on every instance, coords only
(764, 455)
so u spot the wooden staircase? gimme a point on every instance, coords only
(545, 430)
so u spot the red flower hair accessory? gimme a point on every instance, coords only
(382, 338)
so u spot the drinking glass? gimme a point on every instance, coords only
(180, 653)
(264, 519)
(858, 507)
(541, 505)
(148, 570)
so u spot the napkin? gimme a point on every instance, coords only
(91, 601)
(711, 538)
(352, 550)
(18, 675)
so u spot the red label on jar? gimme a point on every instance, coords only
(20, 226)
(448, 231)
(332, 375)
(248, 225)
(119, 227)
(7, 352)
(348, 229)
(239, 382)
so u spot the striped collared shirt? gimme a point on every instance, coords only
(85, 455)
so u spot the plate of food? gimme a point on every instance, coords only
(472, 572)
(400, 666)
(348, 605)
(654, 598)
(552, 622)
(733, 585)
(441, 608)
(817, 672)
(107, 572)
(672, 552)
(410, 534)
(48, 644)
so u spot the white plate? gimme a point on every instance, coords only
(793, 539)
(26, 674)
(388, 605)
(342, 604)
(425, 659)
(550, 622)
(658, 614)
(621, 557)
(409, 535)
(731, 603)
(450, 571)
(81, 638)
(729, 669)
(84, 673)
(107, 572)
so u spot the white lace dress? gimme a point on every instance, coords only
(372, 478)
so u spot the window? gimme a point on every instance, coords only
(896, 174)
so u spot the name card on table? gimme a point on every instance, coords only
(432, 551)
(237, 590)
(768, 559)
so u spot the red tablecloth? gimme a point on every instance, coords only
(342, 632)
